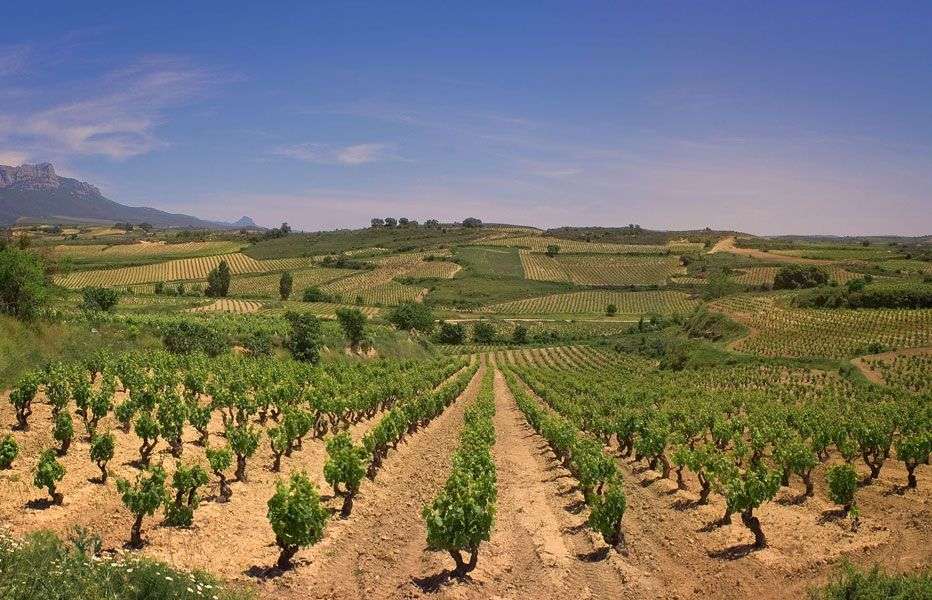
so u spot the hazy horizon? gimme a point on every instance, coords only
(790, 119)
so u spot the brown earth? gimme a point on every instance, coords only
(539, 548)
(728, 245)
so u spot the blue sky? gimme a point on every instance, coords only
(784, 117)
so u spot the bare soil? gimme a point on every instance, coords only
(728, 245)
(874, 376)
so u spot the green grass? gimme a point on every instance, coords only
(334, 242)
(491, 262)
(851, 583)
(42, 567)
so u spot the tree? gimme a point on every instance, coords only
(63, 431)
(304, 340)
(377, 222)
(390, 222)
(344, 466)
(218, 281)
(315, 294)
(102, 446)
(220, 460)
(187, 336)
(552, 250)
(412, 315)
(100, 299)
(793, 277)
(186, 481)
(297, 517)
(22, 284)
(284, 285)
(142, 499)
(519, 336)
(8, 451)
(48, 473)
(353, 323)
(403, 221)
(472, 222)
(483, 332)
(611, 310)
(452, 333)
(432, 223)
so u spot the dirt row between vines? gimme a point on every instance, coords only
(875, 376)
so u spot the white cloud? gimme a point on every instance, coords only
(119, 121)
(13, 158)
(355, 154)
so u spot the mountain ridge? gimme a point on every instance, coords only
(37, 192)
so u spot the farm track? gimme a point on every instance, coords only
(728, 245)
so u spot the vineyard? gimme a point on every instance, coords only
(103, 253)
(185, 269)
(602, 270)
(764, 275)
(596, 302)
(780, 330)
(230, 306)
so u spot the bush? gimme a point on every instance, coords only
(315, 294)
(63, 431)
(794, 277)
(48, 473)
(607, 510)
(22, 284)
(102, 446)
(100, 299)
(185, 337)
(842, 484)
(353, 323)
(142, 499)
(611, 310)
(218, 281)
(220, 460)
(519, 335)
(452, 333)
(412, 315)
(8, 451)
(345, 466)
(258, 342)
(297, 517)
(304, 340)
(552, 250)
(483, 332)
(186, 481)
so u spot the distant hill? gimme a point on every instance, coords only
(35, 193)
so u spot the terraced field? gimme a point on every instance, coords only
(229, 305)
(434, 269)
(184, 269)
(596, 301)
(143, 250)
(765, 275)
(570, 357)
(539, 243)
(602, 270)
(266, 286)
(780, 330)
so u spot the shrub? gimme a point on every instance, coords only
(21, 398)
(297, 517)
(344, 466)
(611, 310)
(244, 441)
(353, 323)
(304, 340)
(220, 460)
(186, 481)
(186, 337)
(519, 335)
(63, 431)
(850, 583)
(552, 250)
(8, 451)
(48, 473)
(315, 294)
(147, 429)
(412, 315)
(142, 499)
(794, 277)
(607, 509)
(483, 332)
(284, 285)
(842, 484)
(452, 333)
(218, 281)
(102, 446)
(100, 299)
(22, 284)
(258, 342)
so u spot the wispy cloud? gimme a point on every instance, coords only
(118, 120)
(13, 59)
(356, 154)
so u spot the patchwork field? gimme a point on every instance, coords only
(765, 275)
(229, 305)
(595, 302)
(780, 330)
(83, 253)
(602, 270)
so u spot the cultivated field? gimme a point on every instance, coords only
(596, 302)
(602, 270)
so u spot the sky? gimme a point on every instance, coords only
(770, 118)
